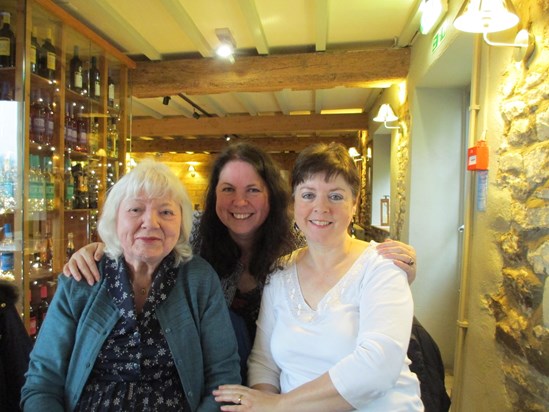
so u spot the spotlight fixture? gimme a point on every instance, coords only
(481, 16)
(386, 114)
(166, 100)
(227, 138)
(227, 44)
(192, 171)
(196, 115)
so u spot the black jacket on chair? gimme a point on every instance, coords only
(427, 364)
(15, 347)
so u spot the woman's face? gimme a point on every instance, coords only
(148, 229)
(323, 210)
(242, 199)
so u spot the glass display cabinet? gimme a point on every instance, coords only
(63, 125)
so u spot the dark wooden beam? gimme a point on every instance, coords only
(183, 126)
(304, 71)
(279, 144)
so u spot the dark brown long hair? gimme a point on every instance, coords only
(273, 239)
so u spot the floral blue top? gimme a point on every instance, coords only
(134, 369)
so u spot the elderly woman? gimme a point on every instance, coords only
(154, 333)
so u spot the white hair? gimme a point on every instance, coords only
(153, 180)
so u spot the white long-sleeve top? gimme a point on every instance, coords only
(359, 333)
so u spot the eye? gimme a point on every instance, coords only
(167, 212)
(227, 189)
(307, 195)
(336, 197)
(254, 190)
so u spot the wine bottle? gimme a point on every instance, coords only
(110, 90)
(49, 120)
(70, 245)
(35, 51)
(81, 132)
(7, 41)
(48, 57)
(69, 186)
(37, 118)
(95, 79)
(75, 72)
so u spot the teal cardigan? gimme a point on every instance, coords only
(194, 318)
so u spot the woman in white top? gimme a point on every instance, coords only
(334, 325)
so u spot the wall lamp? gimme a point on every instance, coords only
(386, 114)
(490, 16)
(357, 157)
(192, 171)
(227, 44)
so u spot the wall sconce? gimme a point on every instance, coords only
(386, 114)
(368, 153)
(357, 157)
(483, 16)
(227, 44)
(192, 171)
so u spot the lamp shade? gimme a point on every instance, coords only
(486, 16)
(385, 114)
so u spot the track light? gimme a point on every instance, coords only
(196, 115)
(166, 100)
(227, 44)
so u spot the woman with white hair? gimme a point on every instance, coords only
(154, 332)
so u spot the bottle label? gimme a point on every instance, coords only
(50, 191)
(78, 79)
(97, 89)
(6, 262)
(111, 92)
(69, 192)
(4, 46)
(38, 125)
(50, 61)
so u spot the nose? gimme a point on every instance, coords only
(321, 205)
(150, 219)
(240, 199)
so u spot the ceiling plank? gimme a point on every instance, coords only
(174, 126)
(256, 27)
(301, 71)
(213, 145)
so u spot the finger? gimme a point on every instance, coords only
(90, 271)
(68, 272)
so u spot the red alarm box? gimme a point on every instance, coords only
(477, 156)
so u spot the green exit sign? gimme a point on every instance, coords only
(438, 38)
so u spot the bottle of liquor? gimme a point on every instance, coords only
(7, 41)
(35, 51)
(7, 184)
(110, 90)
(49, 181)
(75, 72)
(81, 132)
(7, 247)
(95, 79)
(48, 64)
(49, 120)
(37, 185)
(70, 245)
(37, 118)
(46, 256)
(93, 136)
(44, 304)
(69, 186)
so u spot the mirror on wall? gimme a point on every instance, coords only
(381, 178)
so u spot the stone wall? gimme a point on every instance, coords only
(523, 176)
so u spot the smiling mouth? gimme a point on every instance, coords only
(320, 222)
(241, 216)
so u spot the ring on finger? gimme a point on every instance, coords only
(411, 262)
(239, 400)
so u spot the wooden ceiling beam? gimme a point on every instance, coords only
(214, 145)
(177, 126)
(300, 71)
